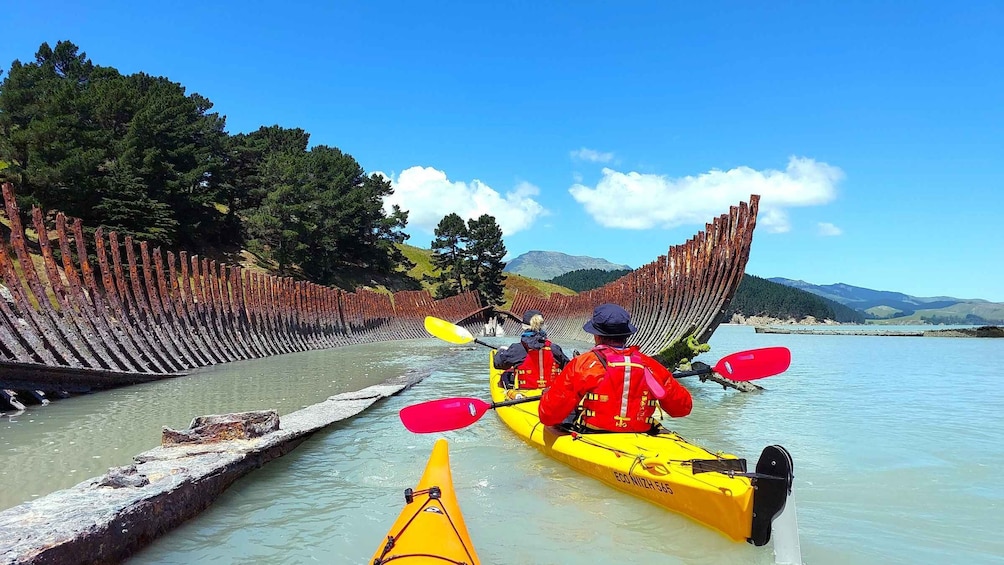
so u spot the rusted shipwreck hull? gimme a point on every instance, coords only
(683, 293)
(140, 314)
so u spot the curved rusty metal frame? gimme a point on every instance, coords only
(154, 317)
(685, 292)
(151, 318)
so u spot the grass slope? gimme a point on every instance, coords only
(422, 258)
(525, 285)
(883, 311)
(992, 312)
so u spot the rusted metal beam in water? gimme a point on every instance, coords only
(10, 397)
(27, 377)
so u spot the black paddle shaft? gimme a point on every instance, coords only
(514, 401)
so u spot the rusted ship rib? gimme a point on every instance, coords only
(67, 325)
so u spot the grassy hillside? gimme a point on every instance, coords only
(422, 258)
(883, 311)
(988, 312)
(533, 287)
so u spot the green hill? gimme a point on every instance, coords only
(588, 279)
(887, 307)
(880, 312)
(761, 297)
(974, 312)
(418, 277)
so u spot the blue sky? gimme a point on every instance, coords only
(874, 131)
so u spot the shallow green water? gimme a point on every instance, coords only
(47, 448)
(895, 442)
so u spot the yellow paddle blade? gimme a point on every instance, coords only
(446, 331)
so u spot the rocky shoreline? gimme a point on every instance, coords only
(982, 331)
(760, 321)
(767, 324)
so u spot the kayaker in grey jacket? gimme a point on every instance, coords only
(535, 360)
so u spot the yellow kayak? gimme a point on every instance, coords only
(714, 489)
(431, 528)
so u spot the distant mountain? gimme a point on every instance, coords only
(545, 265)
(897, 306)
(864, 299)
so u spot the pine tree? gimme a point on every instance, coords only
(83, 139)
(485, 251)
(449, 255)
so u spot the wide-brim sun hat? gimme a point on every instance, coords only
(610, 320)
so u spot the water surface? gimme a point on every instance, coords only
(894, 442)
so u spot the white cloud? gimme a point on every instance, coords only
(591, 155)
(429, 195)
(828, 229)
(643, 201)
(774, 220)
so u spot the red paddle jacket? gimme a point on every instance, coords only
(538, 369)
(606, 405)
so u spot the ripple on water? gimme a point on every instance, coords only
(895, 441)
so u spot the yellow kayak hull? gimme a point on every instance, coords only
(430, 529)
(657, 468)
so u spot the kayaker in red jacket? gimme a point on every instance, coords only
(599, 377)
(533, 362)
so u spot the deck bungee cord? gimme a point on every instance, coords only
(431, 494)
(430, 529)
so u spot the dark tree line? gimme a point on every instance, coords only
(469, 257)
(582, 280)
(138, 154)
(760, 297)
(754, 297)
(960, 319)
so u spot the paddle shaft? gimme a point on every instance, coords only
(515, 401)
(741, 366)
(681, 374)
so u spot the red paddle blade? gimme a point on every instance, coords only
(442, 415)
(754, 364)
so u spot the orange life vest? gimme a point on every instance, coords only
(622, 401)
(538, 369)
